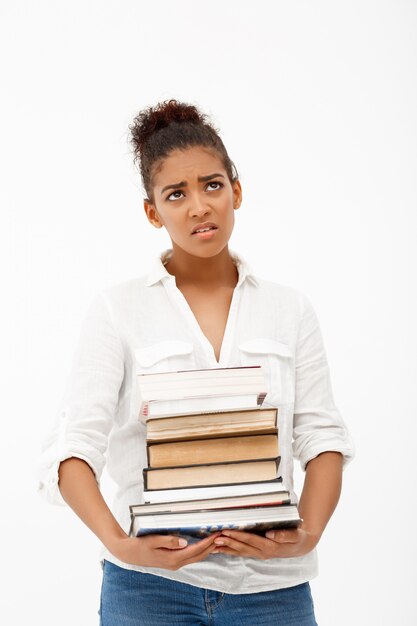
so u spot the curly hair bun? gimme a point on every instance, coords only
(152, 119)
(171, 125)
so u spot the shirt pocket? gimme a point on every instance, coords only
(161, 356)
(277, 363)
(164, 356)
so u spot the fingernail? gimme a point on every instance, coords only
(216, 552)
(182, 543)
(270, 534)
(219, 542)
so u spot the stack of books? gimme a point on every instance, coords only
(213, 455)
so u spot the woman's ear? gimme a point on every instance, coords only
(237, 194)
(152, 214)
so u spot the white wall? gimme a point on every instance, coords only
(316, 103)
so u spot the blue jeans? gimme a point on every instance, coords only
(130, 598)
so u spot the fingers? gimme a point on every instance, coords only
(240, 543)
(173, 542)
(284, 536)
(196, 552)
(170, 542)
(250, 539)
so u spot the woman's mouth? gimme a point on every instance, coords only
(204, 231)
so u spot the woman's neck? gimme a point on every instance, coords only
(210, 272)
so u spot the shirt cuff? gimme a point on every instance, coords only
(313, 450)
(48, 483)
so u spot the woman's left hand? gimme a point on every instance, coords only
(278, 543)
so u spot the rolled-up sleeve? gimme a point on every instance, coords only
(318, 425)
(85, 416)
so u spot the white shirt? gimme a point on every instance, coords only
(146, 325)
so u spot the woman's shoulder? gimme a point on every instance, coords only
(284, 294)
(133, 288)
(268, 287)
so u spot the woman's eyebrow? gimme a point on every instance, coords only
(201, 179)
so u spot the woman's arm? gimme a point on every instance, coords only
(321, 492)
(79, 489)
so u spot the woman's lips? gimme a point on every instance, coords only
(203, 226)
(208, 234)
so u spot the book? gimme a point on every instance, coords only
(213, 491)
(164, 408)
(212, 453)
(213, 450)
(182, 383)
(247, 500)
(201, 390)
(221, 423)
(201, 523)
(211, 473)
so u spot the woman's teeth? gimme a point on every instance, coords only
(203, 230)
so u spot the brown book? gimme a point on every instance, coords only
(210, 474)
(246, 448)
(218, 424)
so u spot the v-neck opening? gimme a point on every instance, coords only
(226, 343)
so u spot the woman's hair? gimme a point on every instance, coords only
(171, 125)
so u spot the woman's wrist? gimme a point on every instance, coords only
(312, 531)
(115, 541)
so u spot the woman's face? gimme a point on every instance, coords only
(191, 189)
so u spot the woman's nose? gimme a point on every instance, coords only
(199, 207)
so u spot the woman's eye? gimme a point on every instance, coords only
(217, 185)
(174, 193)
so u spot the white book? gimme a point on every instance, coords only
(154, 409)
(202, 523)
(206, 374)
(215, 491)
(177, 392)
(275, 498)
(207, 382)
(223, 388)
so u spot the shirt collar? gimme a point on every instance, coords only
(159, 273)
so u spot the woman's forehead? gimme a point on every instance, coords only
(193, 161)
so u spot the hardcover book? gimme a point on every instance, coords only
(200, 524)
(215, 424)
(201, 390)
(213, 473)
(213, 491)
(212, 450)
(256, 499)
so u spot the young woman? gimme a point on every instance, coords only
(199, 306)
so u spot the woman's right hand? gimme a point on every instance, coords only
(162, 551)
(80, 490)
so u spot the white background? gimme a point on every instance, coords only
(316, 104)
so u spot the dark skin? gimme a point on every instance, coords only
(321, 491)
(203, 269)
